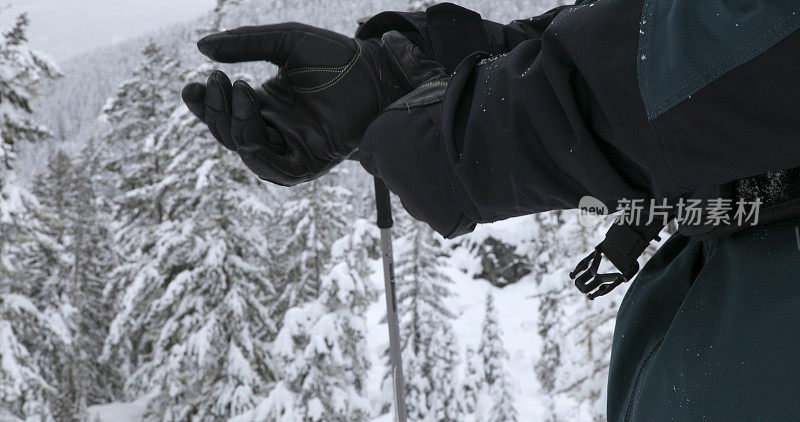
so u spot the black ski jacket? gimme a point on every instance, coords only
(617, 99)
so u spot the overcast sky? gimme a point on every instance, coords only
(63, 28)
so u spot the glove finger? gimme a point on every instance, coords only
(218, 108)
(193, 96)
(247, 44)
(272, 43)
(261, 147)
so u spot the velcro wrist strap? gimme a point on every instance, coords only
(446, 32)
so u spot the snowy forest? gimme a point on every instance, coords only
(146, 274)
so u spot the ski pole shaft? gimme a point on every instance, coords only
(384, 206)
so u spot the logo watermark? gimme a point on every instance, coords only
(687, 212)
(591, 211)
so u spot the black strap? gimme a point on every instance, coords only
(383, 203)
(623, 245)
(778, 194)
(446, 32)
(444, 22)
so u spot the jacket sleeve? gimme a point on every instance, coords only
(560, 116)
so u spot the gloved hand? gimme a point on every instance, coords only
(310, 117)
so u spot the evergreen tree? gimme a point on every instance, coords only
(140, 108)
(136, 159)
(21, 72)
(418, 387)
(24, 392)
(321, 348)
(494, 356)
(205, 324)
(26, 333)
(195, 311)
(141, 105)
(444, 399)
(491, 349)
(550, 357)
(503, 409)
(92, 260)
(576, 333)
(41, 249)
(312, 218)
(422, 288)
(472, 381)
(41, 246)
(63, 255)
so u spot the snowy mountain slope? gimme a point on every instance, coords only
(63, 32)
(70, 106)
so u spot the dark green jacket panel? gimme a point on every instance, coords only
(687, 44)
(646, 314)
(708, 331)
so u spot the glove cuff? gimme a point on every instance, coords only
(433, 30)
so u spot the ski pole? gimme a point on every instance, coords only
(384, 206)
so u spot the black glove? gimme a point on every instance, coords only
(312, 115)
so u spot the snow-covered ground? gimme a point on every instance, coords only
(118, 412)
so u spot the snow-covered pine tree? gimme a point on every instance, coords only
(545, 250)
(321, 348)
(493, 355)
(472, 382)
(40, 248)
(314, 216)
(550, 357)
(41, 255)
(422, 289)
(25, 331)
(141, 106)
(195, 312)
(92, 259)
(132, 157)
(62, 257)
(221, 9)
(21, 72)
(418, 387)
(576, 333)
(24, 393)
(503, 408)
(142, 103)
(445, 400)
(491, 349)
(205, 325)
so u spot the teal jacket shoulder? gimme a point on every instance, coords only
(687, 44)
